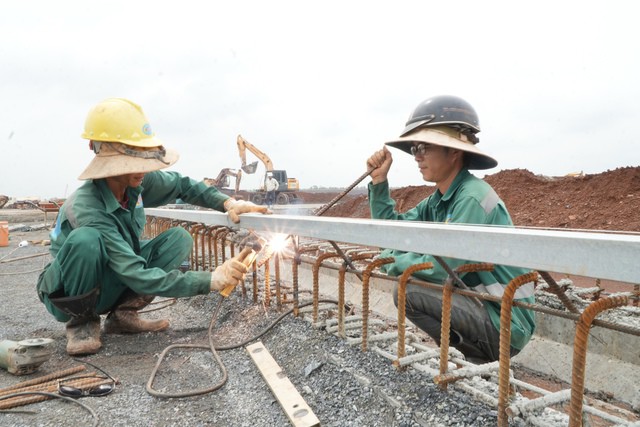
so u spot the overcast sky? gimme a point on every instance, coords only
(318, 86)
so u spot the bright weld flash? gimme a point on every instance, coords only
(278, 242)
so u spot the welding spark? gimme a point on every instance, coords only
(278, 242)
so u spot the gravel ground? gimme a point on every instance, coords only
(342, 385)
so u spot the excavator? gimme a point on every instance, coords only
(222, 181)
(288, 187)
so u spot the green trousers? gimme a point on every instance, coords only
(81, 265)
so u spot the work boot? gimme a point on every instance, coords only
(83, 335)
(124, 318)
(83, 330)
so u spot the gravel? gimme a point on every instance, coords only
(343, 385)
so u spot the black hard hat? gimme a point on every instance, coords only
(444, 110)
(446, 121)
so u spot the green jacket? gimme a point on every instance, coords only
(469, 200)
(94, 205)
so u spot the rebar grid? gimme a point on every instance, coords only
(505, 343)
(580, 353)
(486, 297)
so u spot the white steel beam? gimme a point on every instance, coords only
(592, 254)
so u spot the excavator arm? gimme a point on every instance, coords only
(222, 180)
(243, 146)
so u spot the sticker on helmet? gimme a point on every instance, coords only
(146, 129)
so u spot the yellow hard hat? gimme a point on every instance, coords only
(119, 120)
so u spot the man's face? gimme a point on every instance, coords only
(436, 163)
(130, 179)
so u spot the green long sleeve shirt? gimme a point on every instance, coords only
(94, 205)
(469, 200)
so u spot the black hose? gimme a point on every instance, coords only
(214, 351)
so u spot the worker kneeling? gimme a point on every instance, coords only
(99, 263)
(441, 135)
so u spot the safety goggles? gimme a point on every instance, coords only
(95, 391)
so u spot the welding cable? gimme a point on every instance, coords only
(214, 351)
(167, 302)
(56, 396)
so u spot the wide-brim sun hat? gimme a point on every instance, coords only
(114, 159)
(445, 136)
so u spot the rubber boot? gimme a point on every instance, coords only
(83, 330)
(124, 318)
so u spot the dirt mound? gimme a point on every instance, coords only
(606, 201)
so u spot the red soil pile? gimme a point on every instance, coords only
(606, 201)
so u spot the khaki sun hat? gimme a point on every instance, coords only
(113, 159)
(445, 136)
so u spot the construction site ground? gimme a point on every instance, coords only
(342, 385)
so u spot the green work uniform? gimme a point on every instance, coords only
(96, 243)
(469, 200)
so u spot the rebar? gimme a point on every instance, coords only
(335, 200)
(50, 387)
(316, 281)
(467, 372)
(194, 230)
(341, 285)
(43, 379)
(505, 343)
(445, 331)
(276, 266)
(255, 282)
(580, 353)
(267, 284)
(366, 277)
(402, 300)
(558, 291)
(216, 235)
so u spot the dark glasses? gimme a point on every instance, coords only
(75, 392)
(95, 391)
(421, 149)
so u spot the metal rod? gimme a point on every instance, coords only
(336, 199)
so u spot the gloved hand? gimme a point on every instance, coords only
(230, 273)
(379, 163)
(236, 207)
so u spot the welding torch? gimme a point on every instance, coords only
(249, 259)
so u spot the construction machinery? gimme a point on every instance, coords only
(223, 181)
(287, 187)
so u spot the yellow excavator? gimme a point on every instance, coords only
(223, 180)
(288, 187)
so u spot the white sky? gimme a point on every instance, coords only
(318, 86)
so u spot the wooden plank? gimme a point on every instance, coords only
(299, 413)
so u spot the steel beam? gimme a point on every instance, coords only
(593, 254)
